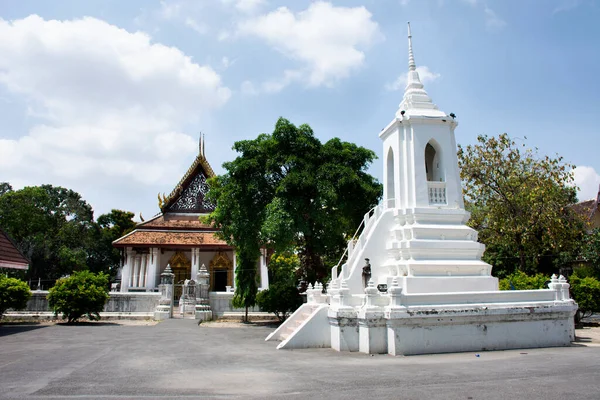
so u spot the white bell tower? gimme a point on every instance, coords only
(423, 287)
(417, 235)
(420, 164)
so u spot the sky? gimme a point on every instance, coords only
(108, 98)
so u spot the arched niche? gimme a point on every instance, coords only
(433, 163)
(221, 272)
(390, 182)
(181, 267)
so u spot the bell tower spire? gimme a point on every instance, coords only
(416, 101)
(411, 58)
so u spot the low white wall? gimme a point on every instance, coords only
(485, 332)
(220, 303)
(132, 302)
(118, 302)
(38, 301)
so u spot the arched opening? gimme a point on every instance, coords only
(221, 272)
(432, 164)
(391, 191)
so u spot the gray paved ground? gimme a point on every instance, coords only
(178, 359)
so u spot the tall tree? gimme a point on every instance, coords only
(52, 226)
(287, 189)
(5, 187)
(519, 203)
(112, 226)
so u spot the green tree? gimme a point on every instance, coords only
(83, 293)
(5, 187)
(283, 268)
(279, 299)
(588, 256)
(282, 297)
(112, 226)
(14, 294)
(519, 280)
(53, 227)
(288, 190)
(586, 292)
(241, 196)
(519, 203)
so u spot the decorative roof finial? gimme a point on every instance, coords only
(411, 58)
(416, 101)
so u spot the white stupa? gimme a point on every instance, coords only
(428, 290)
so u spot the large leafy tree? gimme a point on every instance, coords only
(519, 202)
(112, 226)
(289, 190)
(55, 229)
(5, 187)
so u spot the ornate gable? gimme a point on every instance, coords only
(189, 196)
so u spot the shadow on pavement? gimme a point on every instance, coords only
(9, 329)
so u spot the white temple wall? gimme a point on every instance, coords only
(495, 330)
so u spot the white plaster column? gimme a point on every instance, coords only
(234, 267)
(264, 273)
(136, 270)
(152, 268)
(143, 270)
(127, 269)
(195, 263)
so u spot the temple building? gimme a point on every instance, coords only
(178, 237)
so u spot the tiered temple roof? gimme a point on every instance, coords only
(179, 223)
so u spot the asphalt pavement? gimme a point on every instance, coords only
(178, 359)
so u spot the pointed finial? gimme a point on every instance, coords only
(411, 58)
(416, 101)
(203, 146)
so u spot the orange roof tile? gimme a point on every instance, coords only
(161, 223)
(170, 239)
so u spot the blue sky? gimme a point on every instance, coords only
(108, 97)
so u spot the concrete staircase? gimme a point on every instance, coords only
(306, 327)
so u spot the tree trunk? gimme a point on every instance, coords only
(522, 255)
(246, 316)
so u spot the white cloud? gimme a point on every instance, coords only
(169, 10)
(588, 181)
(248, 6)
(249, 88)
(566, 5)
(326, 40)
(226, 62)
(108, 103)
(492, 21)
(424, 74)
(196, 26)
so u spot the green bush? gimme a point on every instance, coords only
(586, 293)
(522, 281)
(14, 294)
(280, 299)
(83, 293)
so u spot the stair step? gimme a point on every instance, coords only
(283, 336)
